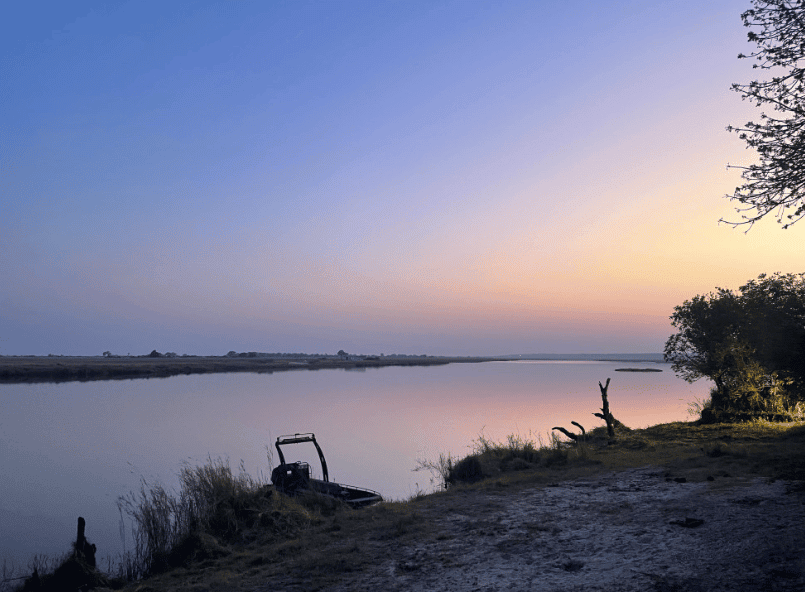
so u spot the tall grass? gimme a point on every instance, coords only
(213, 504)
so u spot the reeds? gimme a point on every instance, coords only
(212, 505)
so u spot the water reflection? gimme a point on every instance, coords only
(71, 449)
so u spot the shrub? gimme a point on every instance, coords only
(467, 470)
(748, 401)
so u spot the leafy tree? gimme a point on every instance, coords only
(776, 324)
(777, 182)
(708, 340)
(750, 344)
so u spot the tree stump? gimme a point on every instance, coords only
(605, 414)
(83, 549)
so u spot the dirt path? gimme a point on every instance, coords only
(612, 533)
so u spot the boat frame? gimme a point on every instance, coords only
(293, 478)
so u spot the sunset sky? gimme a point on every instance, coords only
(434, 177)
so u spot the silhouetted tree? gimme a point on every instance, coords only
(776, 324)
(708, 339)
(777, 182)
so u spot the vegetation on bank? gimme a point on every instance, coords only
(20, 369)
(750, 343)
(222, 528)
(213, 511)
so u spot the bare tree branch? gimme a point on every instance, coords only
(777, 183)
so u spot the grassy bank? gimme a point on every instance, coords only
(22, 369)
(772, 450)
(228, 531)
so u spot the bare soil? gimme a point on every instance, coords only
(636, 529)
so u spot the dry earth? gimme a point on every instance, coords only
(622, 531)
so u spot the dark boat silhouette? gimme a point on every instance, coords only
(294, 477)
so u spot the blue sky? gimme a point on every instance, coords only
(423, 177)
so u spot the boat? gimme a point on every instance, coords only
(294, 477)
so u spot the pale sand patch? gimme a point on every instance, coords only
(611, 533)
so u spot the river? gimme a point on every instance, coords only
(71, 449)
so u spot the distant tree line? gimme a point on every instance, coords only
(750, 343)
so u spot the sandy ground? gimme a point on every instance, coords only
(615, 533)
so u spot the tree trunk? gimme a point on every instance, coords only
(84, 550)
(605, 410)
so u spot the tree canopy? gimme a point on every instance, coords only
(777, 182)
(751, 344)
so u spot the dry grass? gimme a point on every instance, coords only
(774, 450)
(213, 505)
(328, 548)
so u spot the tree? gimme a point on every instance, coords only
(776, 324)
(750, 344)
(708, 341)
(777, 182)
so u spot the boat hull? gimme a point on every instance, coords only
(294, 478)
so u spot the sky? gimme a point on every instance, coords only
(439, 177)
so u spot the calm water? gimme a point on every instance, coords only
(71, 449)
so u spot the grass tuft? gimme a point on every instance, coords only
(213, 506)
(516, 454)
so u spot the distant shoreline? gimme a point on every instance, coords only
(37, 369)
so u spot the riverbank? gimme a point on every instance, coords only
(673, 507)
(669, 508)
(31, 369)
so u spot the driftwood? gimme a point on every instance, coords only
(571, 435)
(606, 415)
